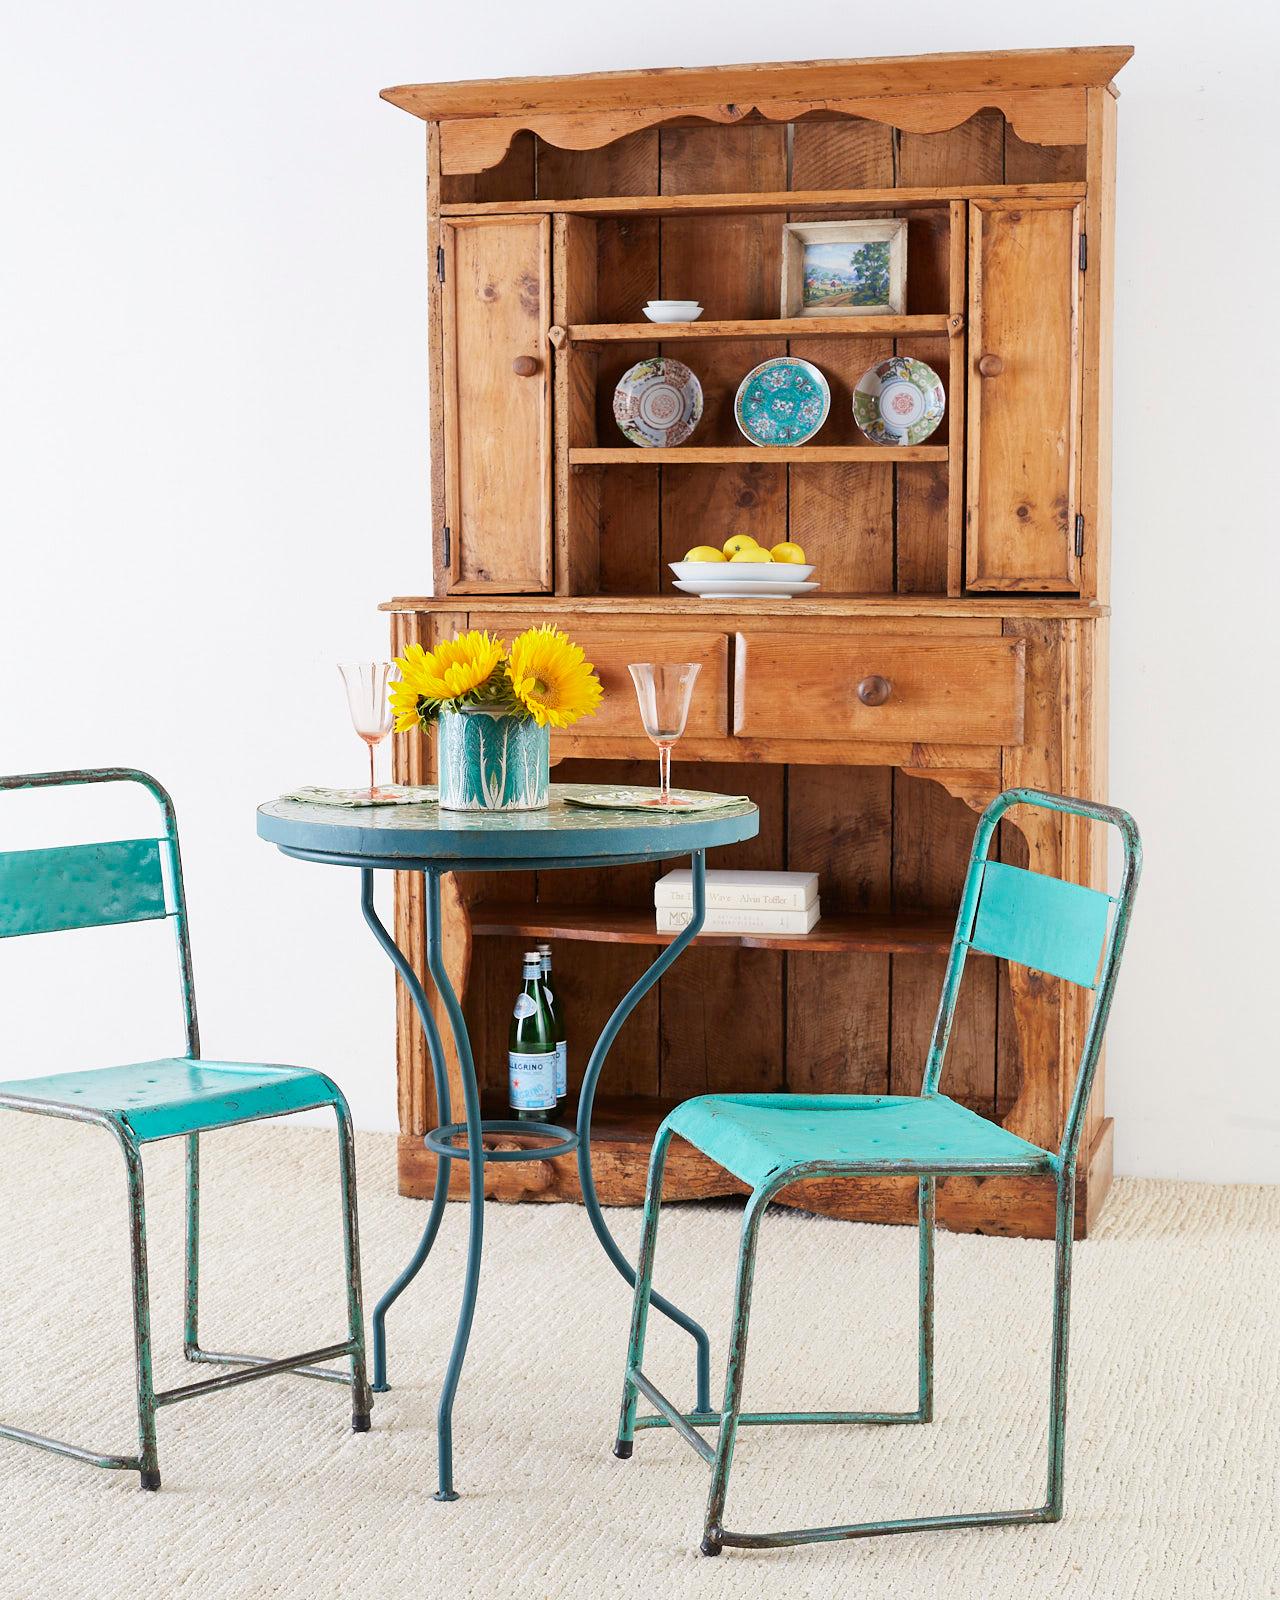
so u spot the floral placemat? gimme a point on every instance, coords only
(389, 794)
(647, 800)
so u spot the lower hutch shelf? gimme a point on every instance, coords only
(868, 932)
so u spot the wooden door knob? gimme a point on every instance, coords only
(875, 690)
(524, 366)
(990, 366)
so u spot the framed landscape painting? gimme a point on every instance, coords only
(844, 269)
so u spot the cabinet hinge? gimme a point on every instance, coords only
(1079, 534)
(1084, 251)
(447, 545)
(440, 263)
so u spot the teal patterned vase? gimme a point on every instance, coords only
(491, 762)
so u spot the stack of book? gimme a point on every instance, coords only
(740, 902)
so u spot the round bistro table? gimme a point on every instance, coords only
(425, 839)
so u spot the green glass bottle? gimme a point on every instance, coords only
(531, 1048)
(557, 1018)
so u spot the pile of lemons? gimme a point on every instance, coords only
(742, 547)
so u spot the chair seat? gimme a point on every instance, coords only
(757, 1137)
(160, 1099)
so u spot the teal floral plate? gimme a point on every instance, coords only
(899, 401)
(782, 401)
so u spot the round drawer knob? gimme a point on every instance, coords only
(875, 690)
(990, 366)
(524, 366)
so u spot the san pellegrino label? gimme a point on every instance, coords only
(531, 1046)
(557, 1019)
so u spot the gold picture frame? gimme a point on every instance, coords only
(844, 269)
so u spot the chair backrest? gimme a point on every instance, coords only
(95, 885)
(1045, 923)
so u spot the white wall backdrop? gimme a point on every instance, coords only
(213, 467)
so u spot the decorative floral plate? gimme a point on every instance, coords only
(658, 402)
(899, 401)
(389, 794)
(647, 800)
(782, 401)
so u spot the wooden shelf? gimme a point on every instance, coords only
(925, 933)
(719, 455)
(785, 200)
(777, 328)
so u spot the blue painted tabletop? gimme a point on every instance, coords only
(405, 834)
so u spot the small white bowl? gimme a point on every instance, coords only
(682, 312)
(740, 571)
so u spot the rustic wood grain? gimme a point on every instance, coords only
(1023, 435)
(731, 264)
(498, 504)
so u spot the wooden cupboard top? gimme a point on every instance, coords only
(684, 607)
(949, 73)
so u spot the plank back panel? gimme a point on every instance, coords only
(840, 825)
(842, 515)
(733, 264)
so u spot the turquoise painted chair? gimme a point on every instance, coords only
(772, 1140)
(139, 880)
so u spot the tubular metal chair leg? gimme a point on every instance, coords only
(361, 1399)
(925, 1395)
(1064, 1232)
(191, 1318)
(733, 1379)
(149, 1463)
(641, 1296)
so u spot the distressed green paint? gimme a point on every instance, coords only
(772, 1141)
(424, 836)
(1041, 922)
(80, 886)
(125, 881)
(492, 763)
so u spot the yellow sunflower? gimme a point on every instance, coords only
(454, 670)
(551, 678)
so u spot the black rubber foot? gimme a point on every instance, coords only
(360, 1422)
(150, 1480)
(711, 1547)
(623, 1448)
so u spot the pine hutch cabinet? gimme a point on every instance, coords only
(970, 572)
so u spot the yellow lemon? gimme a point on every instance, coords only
(749, 552)
(739, 541)
(705, 552)
(788, 552)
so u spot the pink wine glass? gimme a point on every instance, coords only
(664, 693)
(367, 683)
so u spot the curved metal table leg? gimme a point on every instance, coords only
(475, 1170)
(586, 1099)
(444, 1165)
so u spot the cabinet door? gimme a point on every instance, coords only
(497, 404)
(1023, 443)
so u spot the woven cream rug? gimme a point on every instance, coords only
(1172, 1443)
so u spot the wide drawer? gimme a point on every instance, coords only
(610, 649)
(940, 690)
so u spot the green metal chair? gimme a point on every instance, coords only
(138, 880)
(772, 1140)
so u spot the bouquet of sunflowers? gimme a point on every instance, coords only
(543, 677)
(495, 708)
